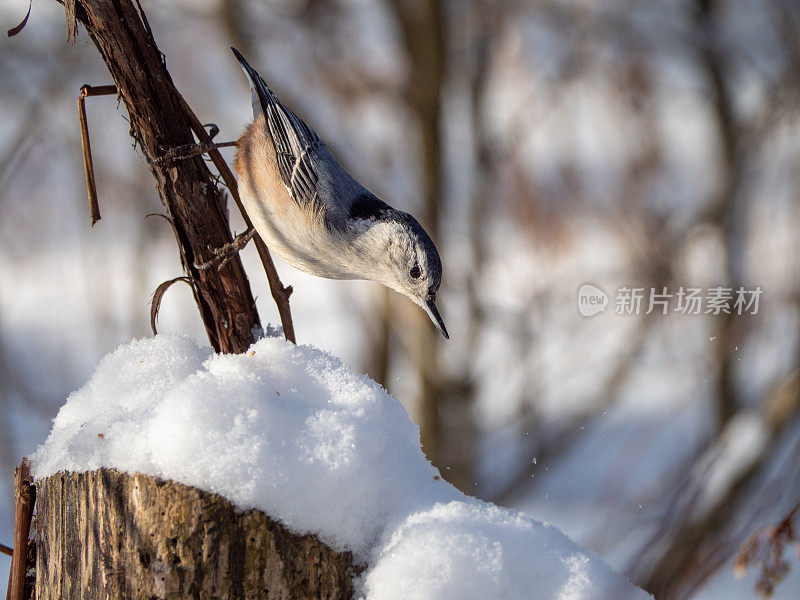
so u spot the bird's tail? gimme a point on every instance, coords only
(260, 94)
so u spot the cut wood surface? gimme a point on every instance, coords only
(111, 535)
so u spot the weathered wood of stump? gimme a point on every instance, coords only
(111, 535)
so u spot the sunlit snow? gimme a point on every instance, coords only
(294, 432)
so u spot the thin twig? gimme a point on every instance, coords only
(87, 91)
(15, 30)
(155, 303)
(6, 550)
(72, 21)
(25, 498)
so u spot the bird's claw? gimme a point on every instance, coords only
(224, 254)
(213, 130)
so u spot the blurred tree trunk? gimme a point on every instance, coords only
(483, 20)
(234, 14)
(379, 356)
(726, 207)
(422, 23)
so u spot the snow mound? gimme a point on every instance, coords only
(469, 551)
(293, 432)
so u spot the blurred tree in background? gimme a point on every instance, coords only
(544, 144)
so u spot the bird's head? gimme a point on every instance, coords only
(407, 261)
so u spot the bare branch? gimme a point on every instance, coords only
(25, 497)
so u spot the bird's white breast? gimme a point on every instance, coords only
(298, 236)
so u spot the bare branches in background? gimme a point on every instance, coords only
(765, 549)
(545, 145)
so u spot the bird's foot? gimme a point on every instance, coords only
(224, 254)
(213, 130)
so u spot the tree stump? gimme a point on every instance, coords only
(112, 535)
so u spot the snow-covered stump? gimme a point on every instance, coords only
(112, 535)
(293, 432)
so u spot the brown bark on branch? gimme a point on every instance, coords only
(159, 122)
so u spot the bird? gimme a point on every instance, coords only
(314, 215)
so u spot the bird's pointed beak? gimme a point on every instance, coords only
(433, 313)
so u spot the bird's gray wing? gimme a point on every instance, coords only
(296, 144)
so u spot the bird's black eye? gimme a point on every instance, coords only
(415, 272)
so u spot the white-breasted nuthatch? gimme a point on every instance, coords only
(319, 219)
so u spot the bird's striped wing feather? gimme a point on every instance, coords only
(294, 141)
